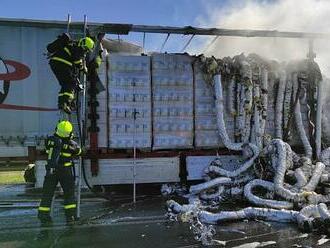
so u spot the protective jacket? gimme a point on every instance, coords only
(71, 55)
(60, 151)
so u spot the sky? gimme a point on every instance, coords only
(162, 12)
(149, 12)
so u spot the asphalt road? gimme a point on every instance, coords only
(119, 223)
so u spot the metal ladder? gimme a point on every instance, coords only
(83, 126)
(79, 124)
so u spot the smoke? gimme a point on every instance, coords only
(282, 15)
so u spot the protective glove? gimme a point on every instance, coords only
(100, 36)
(83, 69)
(83, 151)
(80, 87)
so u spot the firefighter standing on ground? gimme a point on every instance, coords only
(66, 59)
(60, 168)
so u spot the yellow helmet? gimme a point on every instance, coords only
(86, 43)
(64, 129)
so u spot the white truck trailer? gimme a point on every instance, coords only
(159, 105)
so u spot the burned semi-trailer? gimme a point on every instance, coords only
(249, 126)
(161, 105)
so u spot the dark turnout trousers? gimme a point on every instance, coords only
(67, 79)
(65, 176)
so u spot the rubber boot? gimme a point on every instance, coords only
(71, 216)
(72, 104)
(70, 220)
(64, 104)
(45, 219)
(67, 108)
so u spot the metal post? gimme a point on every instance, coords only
(210, 44)
(164, 43)
(187, 44)
(134, 143)
(68, 24)
(82, 127)
(64, 115)
(144, 42)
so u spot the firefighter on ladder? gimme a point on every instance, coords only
(66, 60)
(60, 168)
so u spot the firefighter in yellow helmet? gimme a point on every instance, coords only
(61, 149)
(66, 59)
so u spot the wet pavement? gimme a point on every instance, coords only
(119, 223)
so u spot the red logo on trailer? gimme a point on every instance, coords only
(19, 72)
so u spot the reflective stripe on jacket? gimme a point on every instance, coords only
(69, 55)
(65, 150)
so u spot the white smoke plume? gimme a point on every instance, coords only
(281, 15)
